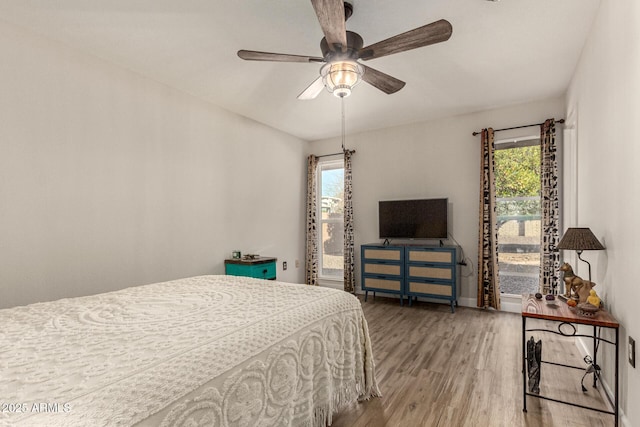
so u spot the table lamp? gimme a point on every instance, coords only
(579, 240)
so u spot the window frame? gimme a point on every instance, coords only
(325, 165)
(512, 143)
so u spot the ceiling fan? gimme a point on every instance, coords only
(341, 50)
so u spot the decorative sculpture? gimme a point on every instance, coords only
(591, 305)
(585, 291)
(534, 361)
(593, 298)
(574, 286)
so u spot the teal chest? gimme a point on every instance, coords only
(261, 268)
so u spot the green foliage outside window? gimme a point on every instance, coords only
(517, 172)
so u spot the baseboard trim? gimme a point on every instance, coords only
(508, 304)
(467, 302)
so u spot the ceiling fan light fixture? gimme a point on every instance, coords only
(339, 77)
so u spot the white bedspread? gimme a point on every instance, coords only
(210, 350)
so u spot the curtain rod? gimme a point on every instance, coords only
(519, 127)
(335, 154)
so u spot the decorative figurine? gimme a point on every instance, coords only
(593, 299)
(586, 309)
(572, 282)
(585, 291)
(591, 306)
(575, 287)
(534, 361)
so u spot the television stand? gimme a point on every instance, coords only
(410, 270)
(386, 242)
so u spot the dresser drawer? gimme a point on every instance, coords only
(392, 254)
(431, 256)
(382, 284)
(431, 272)
(438, 289)
(382, 268)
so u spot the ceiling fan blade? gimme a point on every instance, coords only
(330, 14)
(253, 55)
(382, 81)
(313, 90)
(435, 32)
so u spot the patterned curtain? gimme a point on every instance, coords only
(311, 261)
(349, 251)
(550, 262)
(488, 279)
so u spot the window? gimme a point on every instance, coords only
(517, 171)
(331, 206)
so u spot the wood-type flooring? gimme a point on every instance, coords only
(439, 369)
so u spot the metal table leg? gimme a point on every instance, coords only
(595, 355)
(524, 365)
(617, 346)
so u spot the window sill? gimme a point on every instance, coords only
(331, 283)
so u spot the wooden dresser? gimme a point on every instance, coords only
(412, 271)
(382, 269)
(432, 272)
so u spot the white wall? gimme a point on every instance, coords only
(439, 158)
(603, 106)
(108, 179)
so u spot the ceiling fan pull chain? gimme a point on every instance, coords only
(343, 121)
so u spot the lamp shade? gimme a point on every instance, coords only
(340, 77)
(579, 239)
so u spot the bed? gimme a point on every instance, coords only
(207, 350)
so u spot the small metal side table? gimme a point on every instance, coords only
(560, 312)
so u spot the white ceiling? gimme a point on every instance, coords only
(500, 53)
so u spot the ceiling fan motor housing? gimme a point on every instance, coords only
(354, 44)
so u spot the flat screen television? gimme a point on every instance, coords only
(413, 219)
